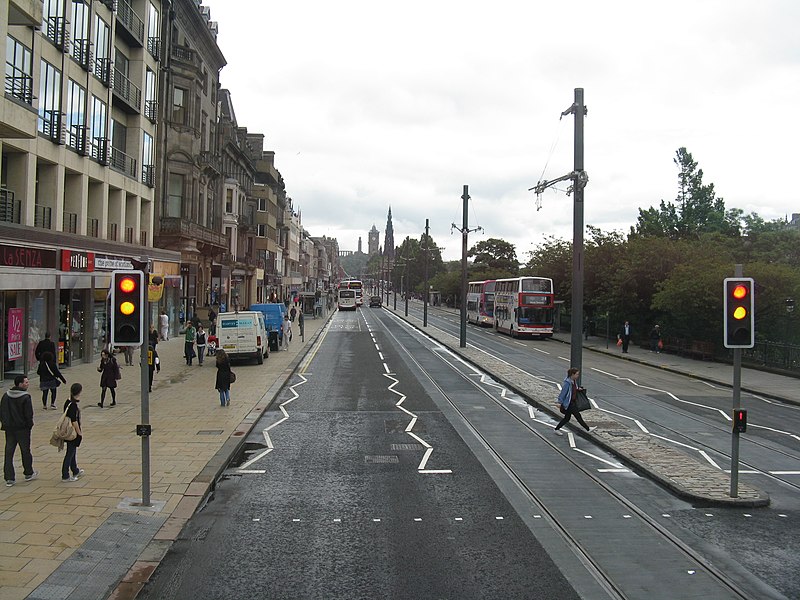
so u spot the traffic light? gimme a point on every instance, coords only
(127, 308)
(739, 315)
(740, 420)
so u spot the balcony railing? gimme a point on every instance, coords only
(50, 123)
(113, 232)
(98, 150)
(143, 238)
(122, 162)
(102, 70)
(127, 90)
(93, 228)
(129, 235)
(151, 110)
(56, 31)
(9, 207)
(154, 47)
(43, 217)
(149, 175)
(186, 55)
(132, 22)
(19, 84)
(70, 222)
(76, 139)
(82, 53)
(210, 160)
(174, 226)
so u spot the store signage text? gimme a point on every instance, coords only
(32, 258)
(76, 260)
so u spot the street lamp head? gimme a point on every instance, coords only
(790, 305)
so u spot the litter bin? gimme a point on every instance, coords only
(272, 337)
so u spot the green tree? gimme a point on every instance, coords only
(494, 255)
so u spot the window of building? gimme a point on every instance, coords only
(76, 115)
(261, 231)
(153, 22)
(228, 201)
(203, 143)
(19, 70)
(80, 31)
(262, 205)
(196, 120)
(97, 129)
(179, 106)
(102, 38)
(53, 20)
(175, 196)
(49, 100)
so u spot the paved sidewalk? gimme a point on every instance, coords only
(676, 470)
(45, 522)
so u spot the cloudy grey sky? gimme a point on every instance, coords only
(369, 104)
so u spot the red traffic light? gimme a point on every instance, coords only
(127, 285)
(740, 420)
(739, 291)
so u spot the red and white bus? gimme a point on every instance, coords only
(354, 284)
(524, 306)
(480, 302)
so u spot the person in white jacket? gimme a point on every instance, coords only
(286, 328)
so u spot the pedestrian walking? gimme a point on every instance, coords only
(188, 342)
(301, 324)
(153, 363)
(286, 329)
(566, 400)
(70, 463)
(128, 352)
(153, 336)
(16, 419)
(655, 339)
(109, 374)
(200, 339)
(45, 345)
(49, 379)
(293, 313)
(625, 336)
(163, 325)
(225, 378)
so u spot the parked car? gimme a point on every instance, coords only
(375, 301)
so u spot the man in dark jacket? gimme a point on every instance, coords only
(16, 418)
(45, 345)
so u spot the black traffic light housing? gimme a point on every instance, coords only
(739, 315)
(127, 308)
(740, 420)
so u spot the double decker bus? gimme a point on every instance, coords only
(480, 302)
(354, 284)
(523, 306)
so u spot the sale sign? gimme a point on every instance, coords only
(15, 320)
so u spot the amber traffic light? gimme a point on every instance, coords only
(739, 317)
(127, 308)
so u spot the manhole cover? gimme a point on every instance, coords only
(380, 459)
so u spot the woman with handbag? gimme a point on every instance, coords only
(109, 373)
(567, 399)
(73, 413)
(225, 377)
(49, 378)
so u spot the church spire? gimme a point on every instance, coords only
(388, 240)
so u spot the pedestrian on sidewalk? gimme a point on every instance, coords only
(286, 329)
(293, 313)
(128, 351)
(655, 339)
(153, 336)
(163, 325)
(153, 363)
(16, 419)
(49, 378)
(45, 345)
(73, 411)
(224, 378)
(625, 336)
(188, 342)
(566, 399)
(109, 374)
(200, 338)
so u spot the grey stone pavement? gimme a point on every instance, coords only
(685, 476)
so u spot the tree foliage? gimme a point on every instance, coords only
(494, 255)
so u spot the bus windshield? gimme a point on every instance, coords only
(536, 284)
(534, 316)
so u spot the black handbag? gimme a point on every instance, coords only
(582, 401)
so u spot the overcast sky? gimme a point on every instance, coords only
(369, 104)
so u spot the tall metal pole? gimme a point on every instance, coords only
(145, 383)
(407, 282)
(425, 286)
(576, 346)
(737, 386)
(462, 340)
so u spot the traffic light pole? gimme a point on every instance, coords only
(737, 387)
(144, 429)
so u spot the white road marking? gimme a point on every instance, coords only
(386, 368)
(542, 351)
(783, 472)
(613, 470)
(380, 354)
(705, 455)
(251, 471)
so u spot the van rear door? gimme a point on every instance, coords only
(237, 334)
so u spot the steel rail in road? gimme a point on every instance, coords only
(603, 578)
(686, 415)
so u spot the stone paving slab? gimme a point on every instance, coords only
(44, 522)
(682, 474)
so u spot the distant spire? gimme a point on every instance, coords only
(388, 240)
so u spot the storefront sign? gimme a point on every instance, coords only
(15, 319)
(112, 263)
(32, 258)
(155, 288)
(77, 260)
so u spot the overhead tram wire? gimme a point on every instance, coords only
(559, 129)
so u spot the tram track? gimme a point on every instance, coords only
(593, 565)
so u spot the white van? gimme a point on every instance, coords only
(243, 334)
